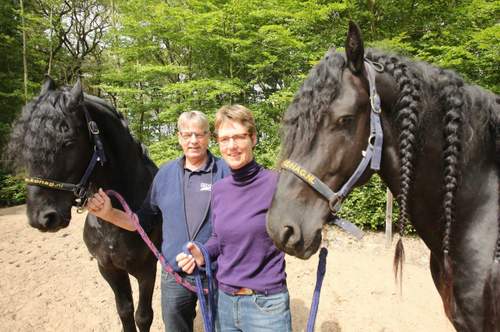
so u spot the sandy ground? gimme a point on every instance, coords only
(49, 282)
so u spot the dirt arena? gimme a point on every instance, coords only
(49, 282)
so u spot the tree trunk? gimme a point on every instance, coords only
(50, 43)
(25, 63)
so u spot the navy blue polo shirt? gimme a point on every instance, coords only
(197, 195)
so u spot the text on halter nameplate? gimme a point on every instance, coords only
(290, 165)
(43, 183)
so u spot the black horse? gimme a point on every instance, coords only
(440, 156)
(62, 134)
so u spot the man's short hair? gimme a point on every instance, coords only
(237, 113)
(193, 116)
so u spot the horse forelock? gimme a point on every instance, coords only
(46, 123)
(41, 129)
(303, 117)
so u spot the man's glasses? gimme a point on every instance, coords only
(237, 139)
(186, 135)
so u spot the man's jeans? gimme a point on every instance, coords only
(178, 304)
(254, 313)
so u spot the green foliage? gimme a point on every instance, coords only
(165, 150)
(366, 206)
(12, 190)
(157, 59)
(11, 95)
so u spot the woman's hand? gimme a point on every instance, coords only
(188, 262)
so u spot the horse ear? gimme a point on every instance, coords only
(354, 48)
(47, 85)
(76, 95)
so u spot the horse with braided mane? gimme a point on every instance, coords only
(440, 157)
(55, 141)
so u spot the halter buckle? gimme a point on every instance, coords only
(376, 65)
(93, 127)
(375, 103)
(80, 192)
(334, 203)
(371, 140)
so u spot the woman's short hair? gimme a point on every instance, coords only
(237, 113)
(196, 116)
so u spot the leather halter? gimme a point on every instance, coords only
(81, 189)
(371, 155)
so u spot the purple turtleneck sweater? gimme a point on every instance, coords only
(246, 255)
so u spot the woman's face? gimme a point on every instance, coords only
(235, 144)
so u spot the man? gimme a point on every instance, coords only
(181, 192)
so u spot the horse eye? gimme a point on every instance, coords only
(64, 127)
(345, 120)
(68, 143)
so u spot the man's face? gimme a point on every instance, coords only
(194, 141)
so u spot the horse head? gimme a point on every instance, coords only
(50, 142)
(326, 131)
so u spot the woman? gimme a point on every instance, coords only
(252, 294)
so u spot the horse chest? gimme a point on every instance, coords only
(107, 244)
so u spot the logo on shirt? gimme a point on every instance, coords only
(205, 186)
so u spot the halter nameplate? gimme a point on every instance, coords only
(299, 171)
(332, 197)
(47, 183)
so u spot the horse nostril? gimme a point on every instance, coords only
(290, 236)
(285, 234)
(50, 220)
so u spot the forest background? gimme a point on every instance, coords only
(154, 59)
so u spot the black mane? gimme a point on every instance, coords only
(323, 83)
(311, 103)
(46, 124)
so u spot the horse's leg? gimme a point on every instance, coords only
(435, 267)
(120, 284)
(457, 319)
(146, 279)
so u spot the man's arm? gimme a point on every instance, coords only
(100, 206)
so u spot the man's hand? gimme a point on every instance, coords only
(100, 205)
(188, 262)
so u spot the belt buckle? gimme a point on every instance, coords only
(244, 291)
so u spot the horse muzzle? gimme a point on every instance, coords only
(299, 239)
(48, 220)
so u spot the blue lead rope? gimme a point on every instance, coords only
(207, 310)
(317, 290)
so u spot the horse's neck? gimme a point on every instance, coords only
(126, 170)
(388, 92)
(478, 179)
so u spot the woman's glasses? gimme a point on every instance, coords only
(237, 139)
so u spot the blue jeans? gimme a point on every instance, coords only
(254, 313)
(178, 304)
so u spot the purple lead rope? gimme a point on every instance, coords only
(209, 320)
(317, 290)
(167, 267)
(208, 316)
